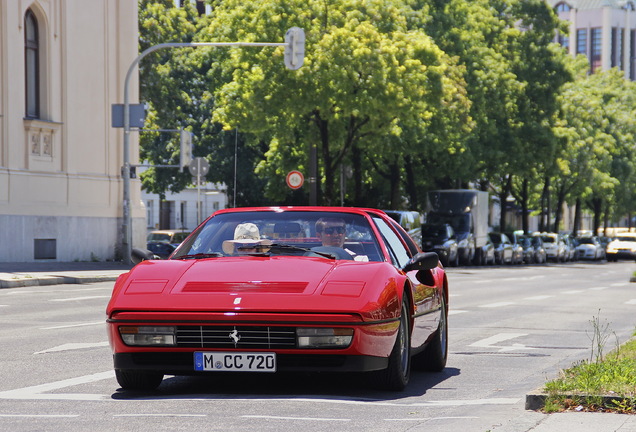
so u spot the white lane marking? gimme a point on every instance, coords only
(488, 342)
(617, 284)
(491, 341)
(79, 298)
(160, 415)
(494, 305)
(597, 288)
(74, 325)
(73, 346)
(37, 391)
(540, 297)
(456, 311)
(40, 415)
(572, 292)
(294, 418)
(631, 302)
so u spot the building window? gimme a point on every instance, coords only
(564, 41)
(632, 54)
(617, 48)
(595, 50)
(31, 65)
(581, 41)
(562, 7)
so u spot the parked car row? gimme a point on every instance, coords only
(517, 247)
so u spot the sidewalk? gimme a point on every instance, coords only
(14, 275)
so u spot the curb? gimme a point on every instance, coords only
(536, 401)
(27, 281)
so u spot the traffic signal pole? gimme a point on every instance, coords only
(294, 55)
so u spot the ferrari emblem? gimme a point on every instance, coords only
(235, 337)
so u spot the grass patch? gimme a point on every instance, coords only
(603, 382)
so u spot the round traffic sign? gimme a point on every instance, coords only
(295, 179)
(199, 167)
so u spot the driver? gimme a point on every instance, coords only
(331, 232)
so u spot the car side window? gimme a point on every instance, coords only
(399, 253)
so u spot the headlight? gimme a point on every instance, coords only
(324, 337)
(148, 335)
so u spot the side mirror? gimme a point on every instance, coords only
(139, 255)
(422, 261)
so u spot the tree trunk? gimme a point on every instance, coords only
(525, 224)
(577, 218)
(558, 211)
(410, 187)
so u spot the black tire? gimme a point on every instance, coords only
(396, 375)
(138, 380)
(434, 356)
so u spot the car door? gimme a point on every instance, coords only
(426, 297)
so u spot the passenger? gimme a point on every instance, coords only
(245, 234)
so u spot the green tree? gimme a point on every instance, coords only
(367, 78)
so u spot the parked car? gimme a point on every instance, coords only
(163, 242)
(351, 292)
(589, 248)
(528, 248)
(503, 248)
(623, 246)
(488, 253)
(409, 220)
(570, 247)
(540, 256)
(517, 248)
(554, 247)
(440, 239)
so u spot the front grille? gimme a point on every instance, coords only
(243, 337)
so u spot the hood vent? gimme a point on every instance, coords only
(247, 286)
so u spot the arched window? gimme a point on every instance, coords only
(563, 7)
(31, 65)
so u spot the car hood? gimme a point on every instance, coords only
(255, 284)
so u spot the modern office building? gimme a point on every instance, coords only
(62, 65)
(603, 30)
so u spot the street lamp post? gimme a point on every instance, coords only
(294, 55)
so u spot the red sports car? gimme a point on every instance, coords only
(264, 290)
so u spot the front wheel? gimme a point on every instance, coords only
(396, 375)
(138, 380)
(434, 356)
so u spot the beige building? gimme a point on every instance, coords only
(62, 66)
(603, 30)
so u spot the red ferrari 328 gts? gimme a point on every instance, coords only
(264, 290)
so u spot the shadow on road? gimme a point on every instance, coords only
(287, 386)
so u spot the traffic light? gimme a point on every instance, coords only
(294, 48)
(185, 146)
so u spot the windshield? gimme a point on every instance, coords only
(460, 223)
(300, 232)
(433, 231)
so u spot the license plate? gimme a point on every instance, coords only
(235, 361)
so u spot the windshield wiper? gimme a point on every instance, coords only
(199, 255)
(283, 247)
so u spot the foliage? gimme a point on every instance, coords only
(603, 382)
(367, 78)
(403, 95)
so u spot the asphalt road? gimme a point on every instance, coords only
(511, 329)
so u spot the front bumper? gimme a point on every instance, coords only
(182, 363)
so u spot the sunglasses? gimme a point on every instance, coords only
(332, 230)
